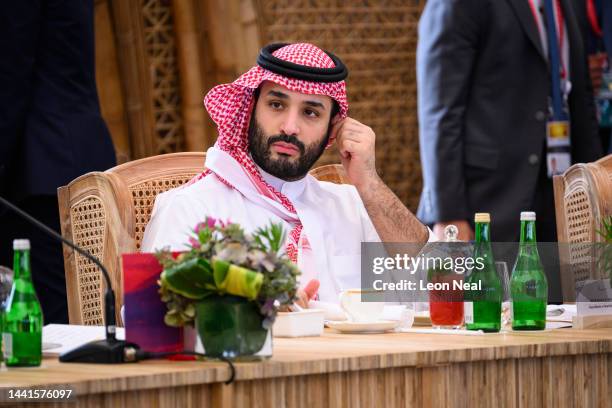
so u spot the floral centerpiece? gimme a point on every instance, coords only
(604, 259)
(229, 285)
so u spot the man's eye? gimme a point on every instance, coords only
(311, 113)
(275, 105)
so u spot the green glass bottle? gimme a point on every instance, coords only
(483, 305)
(528, 284)
(23, 319)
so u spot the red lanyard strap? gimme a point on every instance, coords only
(560, 30)
(593, 20)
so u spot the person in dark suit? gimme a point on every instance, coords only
(484, 86)
(597, 29)
(605, 10)
(51, 127)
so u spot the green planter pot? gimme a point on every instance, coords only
(230, 327)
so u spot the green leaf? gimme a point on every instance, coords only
(606, 230)
(270, 238)
(220, 269)
(192, 278)
(237, 280)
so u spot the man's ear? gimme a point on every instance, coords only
(332, 130)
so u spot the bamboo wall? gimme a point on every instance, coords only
(156, 59)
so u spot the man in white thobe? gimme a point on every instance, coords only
(274, 122)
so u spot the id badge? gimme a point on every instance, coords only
(557, 163)
(558, 158)
(558, 133)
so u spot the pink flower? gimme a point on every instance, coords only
(194, 242)
(208, 223)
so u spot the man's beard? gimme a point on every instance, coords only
(284, 167)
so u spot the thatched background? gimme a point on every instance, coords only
(157, 58)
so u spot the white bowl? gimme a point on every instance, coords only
(307, 322)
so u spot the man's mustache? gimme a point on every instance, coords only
(287, 139)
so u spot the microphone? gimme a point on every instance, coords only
(107, 351)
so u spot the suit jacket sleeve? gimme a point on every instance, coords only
(606, 24)
(586, 142)
(19, 40)
(446, 53)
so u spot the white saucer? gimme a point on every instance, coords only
(378, 326)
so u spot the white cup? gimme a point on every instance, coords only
(358, 310)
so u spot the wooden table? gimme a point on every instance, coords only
(558, 368)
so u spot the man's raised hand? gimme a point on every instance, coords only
(356, 143)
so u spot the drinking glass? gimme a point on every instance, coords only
(446, 305)
(6, 283)
(501, 268)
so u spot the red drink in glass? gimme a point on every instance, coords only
(445, 302)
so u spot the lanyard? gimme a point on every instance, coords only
(593, 20)
(556, 63)
(560, 31)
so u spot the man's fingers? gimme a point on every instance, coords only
(350, 147)
(350, 134)
(337, 118)
(312, 288)
(303, 303)
(346, 144)
(336, 129)
(349, 128)
(302, 299)
(353, 138)
(356, 132)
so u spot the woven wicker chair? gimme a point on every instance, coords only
(107, 212)
(583, 197)
(333, 173)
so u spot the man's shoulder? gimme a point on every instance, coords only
(199, 191)
(329, 188)
(340, 194)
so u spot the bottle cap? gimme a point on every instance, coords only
(528, 216)
(21, 244)
(482, 217)
(451, 232)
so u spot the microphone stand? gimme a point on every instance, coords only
(107, 351)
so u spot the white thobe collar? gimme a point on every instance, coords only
(290, 189)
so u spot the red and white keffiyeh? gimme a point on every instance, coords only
(230, 107)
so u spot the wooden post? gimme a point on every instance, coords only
(135, 76)
(109, 84)
(191, 81)
(234, 37)
(249, 39)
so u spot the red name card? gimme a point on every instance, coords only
(144, 310)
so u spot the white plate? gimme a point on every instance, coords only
(379, 326)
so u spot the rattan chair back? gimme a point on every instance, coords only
(106, 213)
(583, 198)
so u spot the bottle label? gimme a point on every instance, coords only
(7, 345)
(468, 312)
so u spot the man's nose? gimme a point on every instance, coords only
(290, 125)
